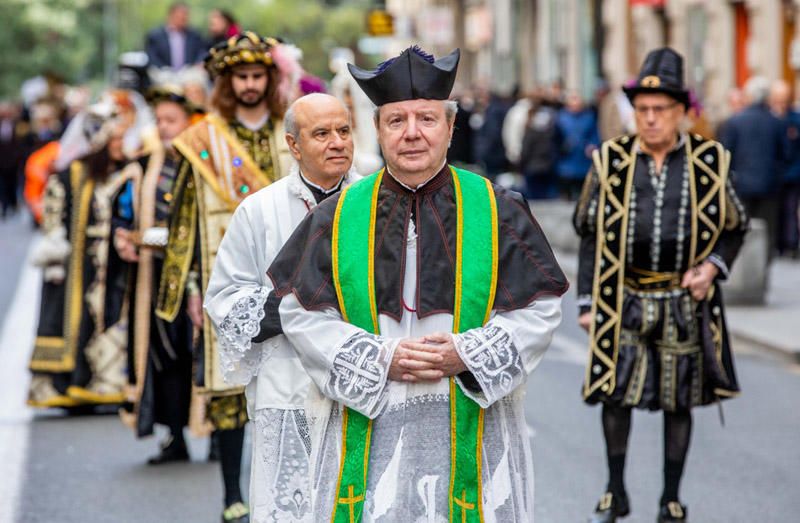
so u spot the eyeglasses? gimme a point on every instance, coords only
(658, 110)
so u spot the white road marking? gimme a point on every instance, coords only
(16, 344)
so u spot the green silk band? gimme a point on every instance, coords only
(353, 242)
(476, 280)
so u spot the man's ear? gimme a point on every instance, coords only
(292, 143)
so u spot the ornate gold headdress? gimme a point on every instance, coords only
(245, 48)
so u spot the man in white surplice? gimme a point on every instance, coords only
(238, 300)
(398, 378)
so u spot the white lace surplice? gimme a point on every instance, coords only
(279, 484)
(409, 471)
(276, 392)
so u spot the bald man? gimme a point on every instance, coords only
(241, 303)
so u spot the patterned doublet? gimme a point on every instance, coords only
(256, 143)
(641, 228)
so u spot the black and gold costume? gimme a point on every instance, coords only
(651, 345)
(160, 355)
(221, 163)
(79, 356)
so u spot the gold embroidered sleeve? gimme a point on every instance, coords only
(180, 244)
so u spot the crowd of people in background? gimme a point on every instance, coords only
(541, 144)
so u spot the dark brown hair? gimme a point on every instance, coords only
(223, 99)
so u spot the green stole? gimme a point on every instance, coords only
(353, 242)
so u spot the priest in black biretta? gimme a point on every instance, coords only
(412, 75)
(400, 377)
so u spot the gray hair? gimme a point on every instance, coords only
(290, 123)
(757, 89)
(450, 110)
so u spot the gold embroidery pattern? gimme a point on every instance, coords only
(63, 360)
(228, 412)
(180, 246)
(707, 196)
(222, 165)
(615, 175)
(217, 153)
(615, 164)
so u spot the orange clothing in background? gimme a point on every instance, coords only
(37, 169)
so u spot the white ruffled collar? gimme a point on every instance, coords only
(300, 190)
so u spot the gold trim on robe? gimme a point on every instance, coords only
(615, 164)
(49, 355)
(217, 175)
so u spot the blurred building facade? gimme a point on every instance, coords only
(579, 43)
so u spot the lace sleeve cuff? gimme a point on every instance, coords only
(358, 374)
(494, 361)
(240, 361)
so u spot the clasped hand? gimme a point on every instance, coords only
(429, 358)
(699, 279)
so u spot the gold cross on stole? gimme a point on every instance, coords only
(462, 502)
(351, 501)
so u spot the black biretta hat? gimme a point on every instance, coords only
(662, 72)
(412, 75)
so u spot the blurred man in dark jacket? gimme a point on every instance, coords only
(175, 44)
(489, 147)
(755, 138)
(780, 98)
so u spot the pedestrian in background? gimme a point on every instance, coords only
(175, 44)
(221, 26)
(80, 351)
(660, 226)
(11, 157)
(577, 128)
(780, 103)
(756, 140)
(539, 151)
(461, 146)
(489, 143)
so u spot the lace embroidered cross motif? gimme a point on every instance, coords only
(493, 359)
(358, 370)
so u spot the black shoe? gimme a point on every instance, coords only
(171, 451)
(610, 507)
(672, 512)
(236, 513)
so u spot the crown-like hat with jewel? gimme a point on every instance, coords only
(242, 49)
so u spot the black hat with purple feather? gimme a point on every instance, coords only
(413, 75)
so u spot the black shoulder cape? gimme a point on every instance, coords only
(527, 266)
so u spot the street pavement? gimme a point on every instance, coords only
(91, 469)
